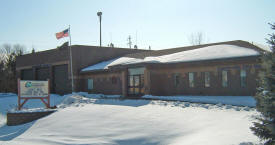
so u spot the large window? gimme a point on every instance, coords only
(90, 84)
(243, 78)
(191, 80)
(207, 79)
(224, 78)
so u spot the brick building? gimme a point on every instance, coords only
(54, 64)
(225, 68)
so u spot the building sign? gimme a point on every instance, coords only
(28, 89)
(33, 88)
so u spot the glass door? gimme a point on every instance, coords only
(136, 81)
(135, 85)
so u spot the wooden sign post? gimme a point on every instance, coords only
(30, 89)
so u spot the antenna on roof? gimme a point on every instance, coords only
(129, 41)
(135, 46)
(111, 43)
(111, 37)
(136, 37)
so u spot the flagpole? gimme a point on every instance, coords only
(71, 60)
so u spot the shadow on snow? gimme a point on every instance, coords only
(10, 132)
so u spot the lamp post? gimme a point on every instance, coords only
(99, 14)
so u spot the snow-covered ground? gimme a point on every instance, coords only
(8, 102)
(248, 101)
(91, 119)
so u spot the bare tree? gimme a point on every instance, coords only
(16, 49)
(19, 49)
(197, 38)
(4, 50)
(8, 56)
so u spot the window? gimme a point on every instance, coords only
(136, 71)
(90, 84)
(176, 80)
(207, 79)
(224, 78)
(191, 80)
(243, 78)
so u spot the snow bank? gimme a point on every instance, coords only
(8, 102)
(204, 53)
(80, 98)
(228, 100)
(158, 122)
(84, 118)
(97, 96)
(84, 97)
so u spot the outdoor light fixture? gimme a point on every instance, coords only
(99, 14)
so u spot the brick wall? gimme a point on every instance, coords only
(159, 78)
(83, 56)
(105, 83)
(162, 80)
(21, 118)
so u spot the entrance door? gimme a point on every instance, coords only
(136, 81)
(135, 87)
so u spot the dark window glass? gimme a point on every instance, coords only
(90, 84)
(136, 80)
(176, 80)
(243, 78)
(131, 81)
(224, 78)
(207, 79)
(191, 80)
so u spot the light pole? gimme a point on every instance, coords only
(99, 14)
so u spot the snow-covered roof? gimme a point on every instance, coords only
(263, 47)
(204, 53)
(116, 61)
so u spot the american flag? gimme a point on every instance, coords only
(62, 34)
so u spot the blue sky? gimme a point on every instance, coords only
(158, 23)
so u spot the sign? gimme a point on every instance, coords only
(34, 88)
(29, 89)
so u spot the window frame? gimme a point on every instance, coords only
(176, 79)
(90, 84)
(243, 79)
(191, 83)
(137, 87)
(207, 79)
(224, 81)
